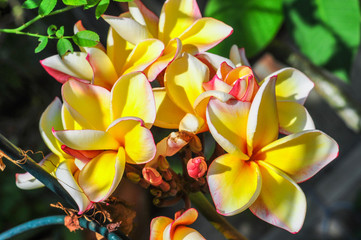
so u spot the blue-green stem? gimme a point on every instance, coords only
(25, 162)
(59, 220)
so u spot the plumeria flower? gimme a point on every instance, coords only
(259, 171)
(164, 228)
(292, 89)
(180, 28)
(59, 164)
(114, 126)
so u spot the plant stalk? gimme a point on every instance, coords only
(218, 221)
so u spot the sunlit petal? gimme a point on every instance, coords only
(227, 121)
(300, 155)
(238, 56)
(132, 95)
(105, 74)
(87, 139)
(65, 176)
(168, 114)
(292, 85)
(69, 122)
(192, 123)
(281, 201)
(204, 34)
(213, 61)
(101, 176)
(128, 28)
(72, 65)
(157, 227)
(186, 233)
(51, 118)
(137, 140)
(144, 54)
(144, 16)
(293, 117)
(183, 80)
(234, 183)
(88, 104)
(262, 125)
(176, 16)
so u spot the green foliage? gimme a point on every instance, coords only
(91, 3)
(75, 2)
(255, 22)
(101, 8)
(43, 41)
(46, 6)
(51, 30)
(60, 33)
(86, 38)
(326, 31)
(31, 4)
(63, 46)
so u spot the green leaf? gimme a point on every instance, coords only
(86, 38)
(31, 4)
(64, 46)
(326, 31)
(91, 3)
(123, 0)
(43, 41)
(46, 6)
(51, 30)
(255, 23)
(101, 8)
(75, 2)
(60, 32)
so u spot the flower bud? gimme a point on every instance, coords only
(152, 176)
(134, 177)
(196, 167)
(195, 144)
(163, 163)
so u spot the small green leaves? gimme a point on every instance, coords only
(91, 3)
(86, 38)
(43, 41)
(64, 46)
(46, 6)
(31, 4)
(51, 30)
(123, 0)
(60, 32)
(75, 2)
(101, 8)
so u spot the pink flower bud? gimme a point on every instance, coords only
(152, 176)
(196, 167)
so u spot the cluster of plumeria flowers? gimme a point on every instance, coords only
(157, 71)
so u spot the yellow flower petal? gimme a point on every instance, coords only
(157, 227)
(300, 155)
(118, 50)
(144, 16)
(88, 104)
(293, 117)
(183, 81)
(292, 85)
(204, 34)
(128, 28)
(170, 53)
(101, 176)
(186, 233)
(87, 139)
(51, 118)
(103, 68)
(176, 16)
(137, 140)
(69, 122)
(262, 124)
(65, 176)
(72, 65)
(192, 123)
(168, 114)
(238, 56)
(227, 121)
(132, 96)
(234, 183)
(281, 201)
(143, 55)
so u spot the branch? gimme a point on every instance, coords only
(20, 158)
(336, 94)
(59, 220)
(218, 221)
